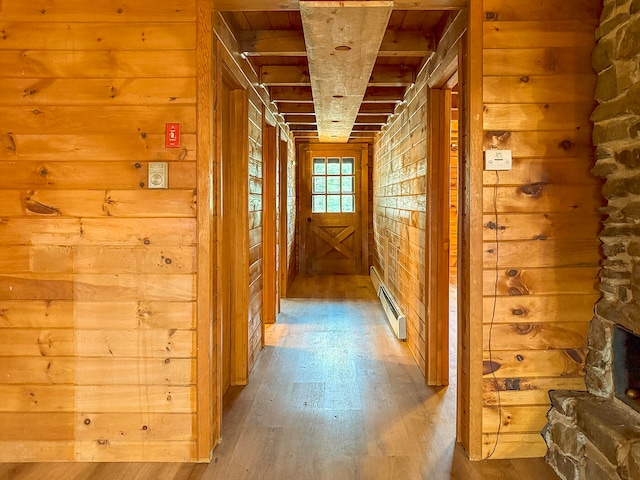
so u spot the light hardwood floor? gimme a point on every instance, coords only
(333, 396)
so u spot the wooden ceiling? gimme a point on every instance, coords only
(271, 39)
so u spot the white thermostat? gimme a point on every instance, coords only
(158, 175)
(497, 160)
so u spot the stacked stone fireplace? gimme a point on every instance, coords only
(596, 434)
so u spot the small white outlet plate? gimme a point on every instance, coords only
(158, 175)
(497, 160)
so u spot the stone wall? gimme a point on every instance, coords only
(594, 435)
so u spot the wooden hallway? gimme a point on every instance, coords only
(333, 395)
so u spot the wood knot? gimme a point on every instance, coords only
(168, 261)
(146, 241)
(103, 442)
(515, 291)
(167, 361)
(40, 208)
(495, 226)
(574, 355)
(566, 145)
(534, 190)
(520, 358)
(513, 273)
(524, 328)
(489, 366)
(87, 421)
(43, 172)
(524, 79)
(491, 16)
(520, 312)
(11, 143)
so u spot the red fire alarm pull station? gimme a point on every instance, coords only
(172, 135)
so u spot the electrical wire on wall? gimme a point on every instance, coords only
(493, 313)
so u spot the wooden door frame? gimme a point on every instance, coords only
(226, 71)
(307, 149)
(269, 241)
(437, 219)
(208, 401)
(283, 230)
(437, 242)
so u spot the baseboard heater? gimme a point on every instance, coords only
(396, 318)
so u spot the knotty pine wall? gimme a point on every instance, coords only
(292, 212)
(538, 91)
(399, 213)
(97, 272)
(256, 340)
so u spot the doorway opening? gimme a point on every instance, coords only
(442, 228)
(233, 248)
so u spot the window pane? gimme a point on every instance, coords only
(333, 203)
(319, 166)
(333, 184)
(319, 185)
(333, 168)
(319, 204)
(347, 203)
(347, 185)
(347, 165)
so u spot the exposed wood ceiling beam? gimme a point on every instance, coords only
(290, 43)
(383, 94)
(285, 75)
(298, 76)
(376, 108)
(294, 5)
(366, 128)
(365, 108)
(285, 108)
(371, 119)
(291, 94)
(343, 40)
(303, 94)
(300, 119)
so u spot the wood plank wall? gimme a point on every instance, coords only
(538, 94)
(399, 212)
(255, 229)
(97, 272)
(292, 212)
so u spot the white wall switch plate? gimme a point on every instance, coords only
(158, 175)
(497, 160)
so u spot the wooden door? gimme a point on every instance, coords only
(331, 209)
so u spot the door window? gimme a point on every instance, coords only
(333, 185)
